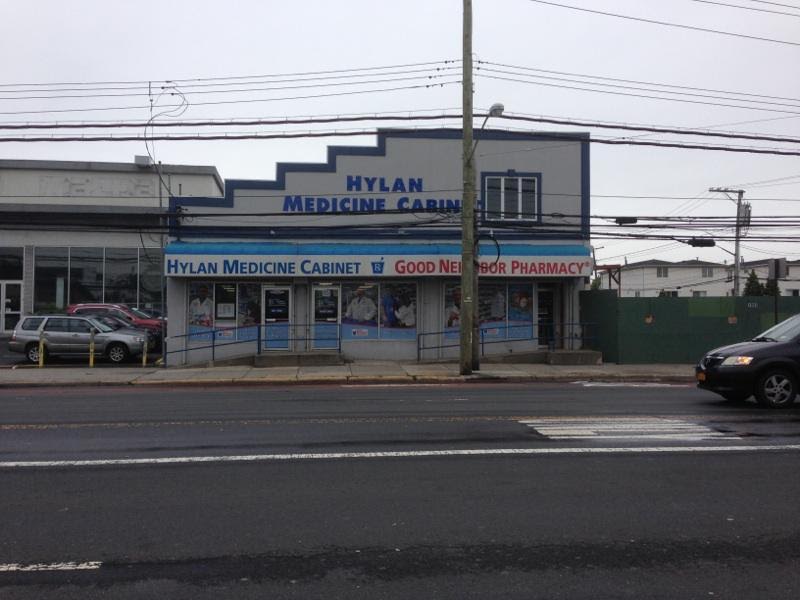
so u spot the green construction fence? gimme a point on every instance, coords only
(675, 330)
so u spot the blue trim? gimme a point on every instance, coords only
(311, 249)
(585, 183)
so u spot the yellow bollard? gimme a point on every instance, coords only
(144, 353)
(91, 349)
(41, 351)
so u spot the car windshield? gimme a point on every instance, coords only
(101, 326)
(783, 331)
(111, 322)
(140, 313)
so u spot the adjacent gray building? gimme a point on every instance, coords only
(86, 231)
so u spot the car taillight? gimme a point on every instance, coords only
(14, 335)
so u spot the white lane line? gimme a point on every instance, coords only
(60, 566)
(642, 384)
(175, 460)
(633, 428)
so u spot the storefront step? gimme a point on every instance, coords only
(549, 357)
(295, 359)
(575, 357)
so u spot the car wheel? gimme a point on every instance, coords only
(32, 353)
(776, 388)
(735, 398)
(117, 353)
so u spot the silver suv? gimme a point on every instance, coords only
(69, 335)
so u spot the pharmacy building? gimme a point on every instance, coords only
(361, 254)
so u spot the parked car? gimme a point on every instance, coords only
(69, 335)
(767, 367)
(133, 316)
(117, 324)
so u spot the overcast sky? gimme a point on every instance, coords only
(48, 42)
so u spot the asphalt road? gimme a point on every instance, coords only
(465, 491)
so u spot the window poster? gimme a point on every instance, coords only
(492, 311)
(200, 312)
(398, 311)
(452, 310)
(520, 311)
(248, 313)
(359, 311)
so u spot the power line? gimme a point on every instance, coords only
(763, 10)
(628, 87)
(667, 24)
(429, 75)
(322, 134)
(232, 77)
(650, 129)
(398, 117)
(764, 181)
(632, 95)
(636, 81)
(794, 6)
(250, 101)
(427, 191)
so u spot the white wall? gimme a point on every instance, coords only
(98, 188)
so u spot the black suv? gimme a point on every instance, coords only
(767, 367)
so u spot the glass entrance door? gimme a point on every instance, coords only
(326, 313)
(10, 304)
(276, 311)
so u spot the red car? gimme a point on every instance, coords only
(133, 316)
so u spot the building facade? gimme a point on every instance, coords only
(695, 278)
(362, 253)
(86, 232)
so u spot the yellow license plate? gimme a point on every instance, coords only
(701, 377)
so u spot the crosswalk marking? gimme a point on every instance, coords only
(620, 428)
(61, 566)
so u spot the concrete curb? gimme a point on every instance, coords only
(257, 377)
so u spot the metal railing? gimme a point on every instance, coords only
(328, 336)
(551, 336)
(259, 335)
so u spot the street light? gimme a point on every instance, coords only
(495, 110)
(469, 351)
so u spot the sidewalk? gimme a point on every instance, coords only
(352, 373)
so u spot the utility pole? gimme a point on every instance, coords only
(736, 254)
(468, 295)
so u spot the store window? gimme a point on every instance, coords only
(51, 272)
(200, 313)
(385, 311)
(150, 278)
(511, 198)
(85, 275)
(64, 276)
(520, 311)
(11, 263)
(248, 313)
(505, 311)
(121, 275)
(359, 311)
(492, 299)
(452, 310)
(398, 311)
(225, 310)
